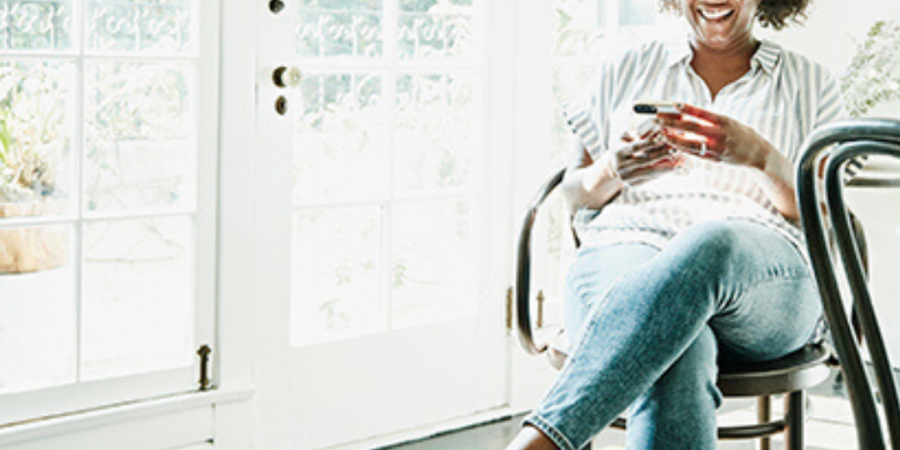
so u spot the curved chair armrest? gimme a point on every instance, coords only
(523, 267)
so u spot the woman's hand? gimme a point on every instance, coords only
(592, 183)
(643, 158)
(715, 137)
(721, 138)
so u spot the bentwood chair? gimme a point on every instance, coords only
(838, 143)
(789, 376)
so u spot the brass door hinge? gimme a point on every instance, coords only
(540, 312)
(509, 308)
(204, 352)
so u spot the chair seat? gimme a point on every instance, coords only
(802, 369)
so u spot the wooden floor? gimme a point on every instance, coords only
(830, 427)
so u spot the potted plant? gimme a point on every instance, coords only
(27, 188)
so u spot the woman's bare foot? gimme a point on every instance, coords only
(529, 438)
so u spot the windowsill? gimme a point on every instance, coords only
(82, 420)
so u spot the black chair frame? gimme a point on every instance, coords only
(838, 143)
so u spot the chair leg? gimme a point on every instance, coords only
(763, 415)
(794, 410)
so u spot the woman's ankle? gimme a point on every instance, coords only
(530, 438)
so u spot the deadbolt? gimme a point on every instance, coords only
(281, 105)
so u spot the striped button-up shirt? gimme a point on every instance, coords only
(783, 96)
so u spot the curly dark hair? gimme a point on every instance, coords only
(774, 13)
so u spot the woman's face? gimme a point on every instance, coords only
(721, 24)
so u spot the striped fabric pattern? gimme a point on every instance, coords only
(784, 96)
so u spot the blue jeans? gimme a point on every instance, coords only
(647, 327)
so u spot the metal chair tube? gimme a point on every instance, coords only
(868, 322)
(523, 267)
(864, 412)
(865, 415)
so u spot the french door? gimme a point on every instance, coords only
(378, 194)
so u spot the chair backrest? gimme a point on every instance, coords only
(838, 143)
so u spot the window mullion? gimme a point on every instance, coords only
(391, 20)
(79, 153)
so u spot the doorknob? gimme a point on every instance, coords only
(286, 76)
(276, 6)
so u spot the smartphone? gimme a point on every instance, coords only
(655, 107)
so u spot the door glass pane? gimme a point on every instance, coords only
(637, 12)
(138, 294)
(36, 25)
(435, 29)
(147, 26)
(437, 134)
(335, 28)
(37, 308)
(140, 137)
(343, 130)
(36, 109)
(434, 275)
(576, 25)
(337, 274)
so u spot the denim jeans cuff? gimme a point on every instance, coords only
(550, 431)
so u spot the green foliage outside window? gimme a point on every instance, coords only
(28, 141)
(872, 77)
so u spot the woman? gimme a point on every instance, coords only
(697, 254)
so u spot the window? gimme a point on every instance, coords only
(105, 213)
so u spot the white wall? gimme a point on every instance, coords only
(828, 34)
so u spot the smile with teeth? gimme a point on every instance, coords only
(715, 14)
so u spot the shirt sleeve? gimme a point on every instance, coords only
(587, 116)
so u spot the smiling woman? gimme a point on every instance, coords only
(666, 282)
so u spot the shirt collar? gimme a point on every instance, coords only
(766, 56)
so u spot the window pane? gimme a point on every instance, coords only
(146, 26)
(577, 26)
(434, 275)
(329, 28)
(336, 267)
(141, 137)
(37, 308)
(138, 294)
(569, 83)
(637, 12)
(435, 29)
(436, 133)
(36, 25)
(341, 144)
(36, 110)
